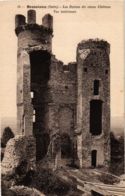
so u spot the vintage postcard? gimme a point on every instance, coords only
(62, 98)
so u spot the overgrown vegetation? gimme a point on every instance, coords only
(46, 182)
(6, 136)
(43, 180)
(108, 179)
(117, 155)
(5, 190)
(18, 191)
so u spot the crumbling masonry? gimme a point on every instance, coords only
(68, 102)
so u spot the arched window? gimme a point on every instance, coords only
(96, 87)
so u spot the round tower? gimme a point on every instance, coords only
(33, 65)
(93, 103)
(31, 34)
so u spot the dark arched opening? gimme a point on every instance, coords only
(40, 62)
(96, 117)
(96, 87)
(66, 146)
(94, 158)
(40, 65)
(42, 143)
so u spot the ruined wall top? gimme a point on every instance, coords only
(31, 16)
(47, 21)
(21, 24)
(94, 44)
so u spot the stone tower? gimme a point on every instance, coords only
(93, 103)
(33, 57)
(46, 88)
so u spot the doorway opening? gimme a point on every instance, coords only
(42, 143)
(94, 158)
(66, 146)
(96, 117)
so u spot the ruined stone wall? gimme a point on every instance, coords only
(62, 86)
(20, 107)
(93, 64)
(54, 103)
(61, 99)
(20, 156)
(24, 107)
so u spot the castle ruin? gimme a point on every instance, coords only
(69, 102)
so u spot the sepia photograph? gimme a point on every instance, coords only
(62, 98)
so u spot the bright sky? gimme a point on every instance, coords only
(69, 30)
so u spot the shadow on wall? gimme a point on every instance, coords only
(42, 143)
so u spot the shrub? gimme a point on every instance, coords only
(5, 191)
(7, 134)
(117, 155)
(45, 181)
(108, 179)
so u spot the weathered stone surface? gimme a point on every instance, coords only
(19, 20)
(20, 156)
(93, 64)
(47, 21)
(31, 17)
